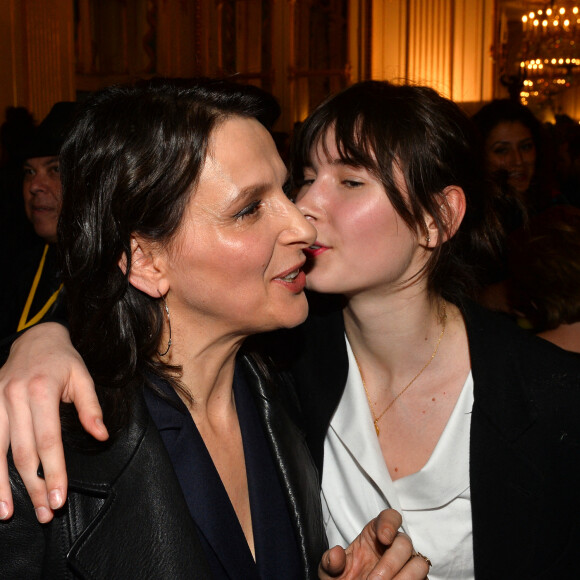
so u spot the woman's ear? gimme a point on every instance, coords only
(146, 273)
(453, 210)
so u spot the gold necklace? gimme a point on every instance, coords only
(376, 419)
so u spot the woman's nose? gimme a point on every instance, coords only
(301, 228)
(308, 202)
(517, 157)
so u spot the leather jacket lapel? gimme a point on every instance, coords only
(126, 502)
(301, 485)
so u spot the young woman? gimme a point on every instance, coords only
(411, 396)
(178, 244)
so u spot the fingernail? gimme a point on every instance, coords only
(389, 537)
(55, 499)
(101, 425)
(3, 510)
(42, 514)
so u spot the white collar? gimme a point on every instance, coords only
(445, 475)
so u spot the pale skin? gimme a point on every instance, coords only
(215, 326)
(391, 321)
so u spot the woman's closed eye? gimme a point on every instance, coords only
(352, 183)
(306, 181)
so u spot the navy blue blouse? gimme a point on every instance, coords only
(221, 534)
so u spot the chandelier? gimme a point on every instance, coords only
(550, 53)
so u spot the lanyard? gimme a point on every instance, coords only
(24, 323)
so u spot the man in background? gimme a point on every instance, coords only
(29, 292)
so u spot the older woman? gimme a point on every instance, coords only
(178, 242)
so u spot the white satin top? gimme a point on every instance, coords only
(435, 502)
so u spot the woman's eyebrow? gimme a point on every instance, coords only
(254, 190)
(345, 163)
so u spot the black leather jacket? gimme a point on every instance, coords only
(126, 516)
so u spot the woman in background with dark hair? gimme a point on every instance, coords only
(178, 243)
(412, 396)
(517, 161)
(543, 289)
(516, 155)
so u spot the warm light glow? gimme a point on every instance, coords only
(550, 54)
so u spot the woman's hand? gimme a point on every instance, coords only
(379, 551)
(42, 370)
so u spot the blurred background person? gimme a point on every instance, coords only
(516, 157)
(544, 287)
(16, 232)
(30, 290)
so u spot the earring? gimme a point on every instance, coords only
(169, 324)
(427, 239)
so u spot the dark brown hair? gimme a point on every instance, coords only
(129, 166)
(380, 126)
(545, 265)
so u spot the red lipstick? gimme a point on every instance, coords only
(316, 249)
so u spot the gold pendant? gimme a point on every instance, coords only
(377, 427)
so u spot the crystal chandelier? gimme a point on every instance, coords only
(550, 53)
